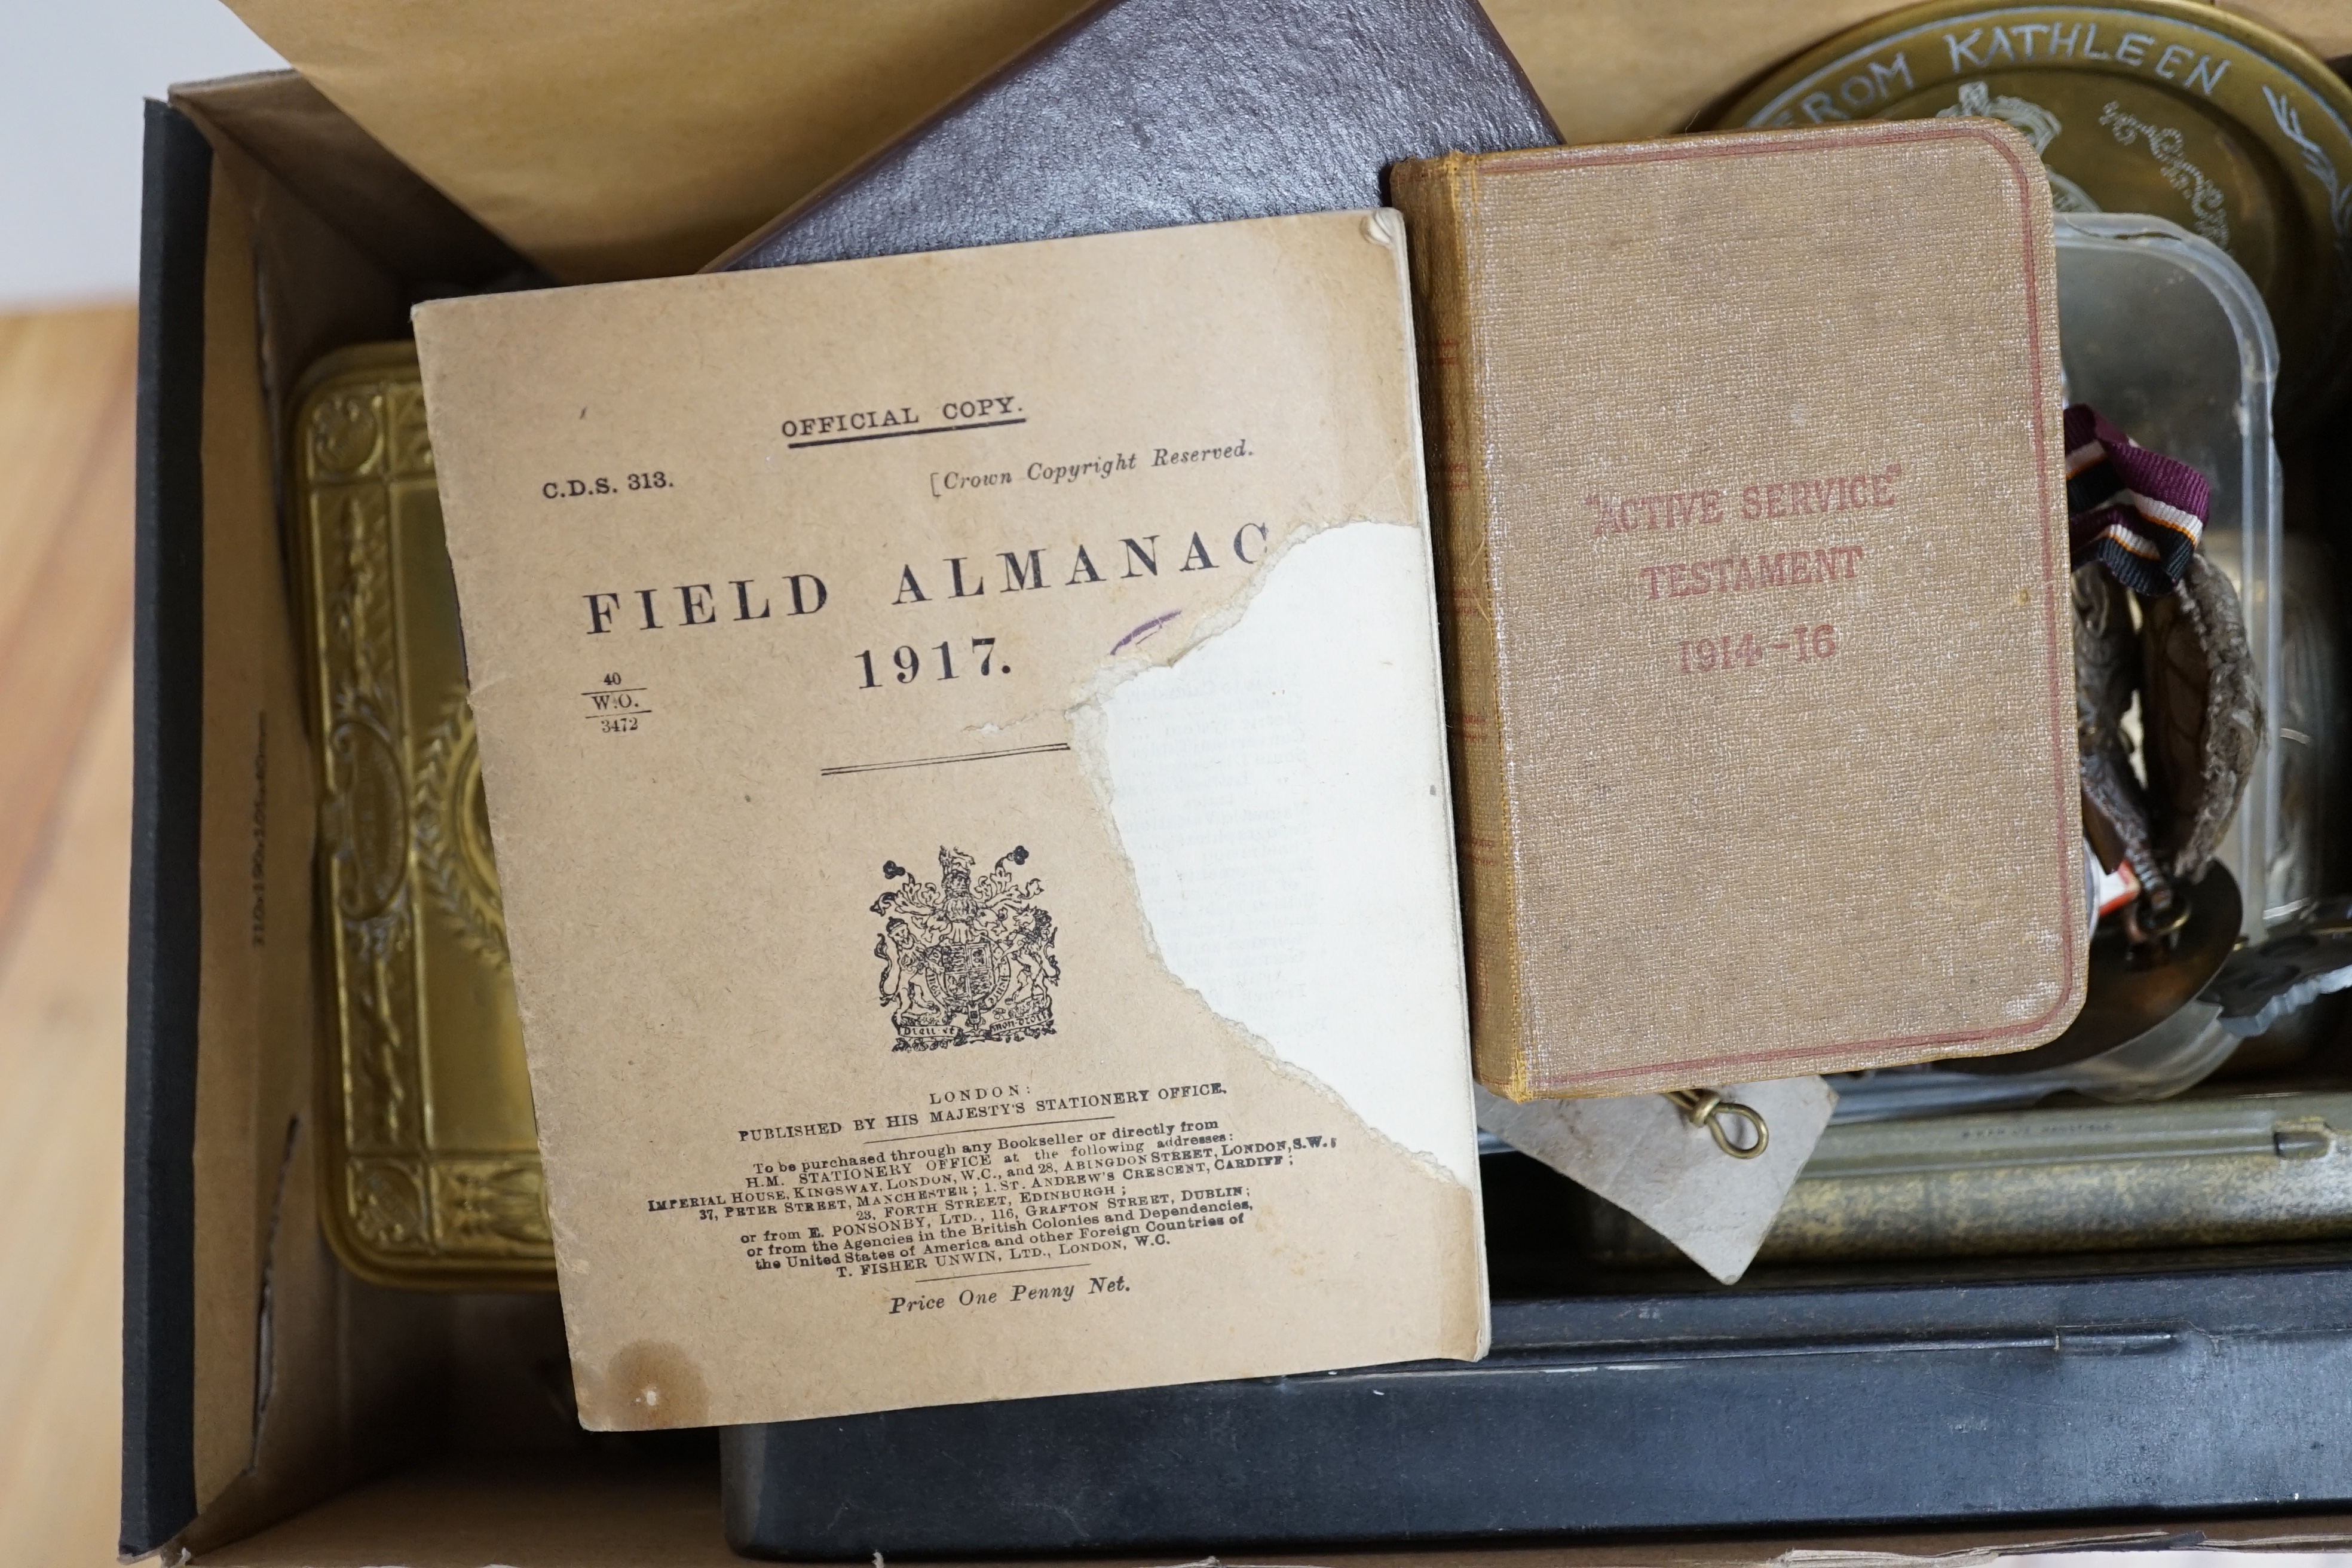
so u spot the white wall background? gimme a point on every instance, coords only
(72, 73)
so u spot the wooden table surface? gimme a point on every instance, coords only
(67, 384)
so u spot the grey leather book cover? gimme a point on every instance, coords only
(1149, 114)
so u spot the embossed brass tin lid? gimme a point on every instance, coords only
(432, 1156)
(2155, 106)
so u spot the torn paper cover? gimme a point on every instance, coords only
(1642, 1153)
(964, 754)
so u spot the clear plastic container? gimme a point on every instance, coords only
(2165, 336)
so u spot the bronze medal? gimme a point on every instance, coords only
(2177, 110)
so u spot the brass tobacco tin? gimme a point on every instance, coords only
(2162, 107)
(432, 1156)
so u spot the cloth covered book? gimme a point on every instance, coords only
(963, 739)
(1753, 515)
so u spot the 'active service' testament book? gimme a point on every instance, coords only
(1754, 515)
(964, 751)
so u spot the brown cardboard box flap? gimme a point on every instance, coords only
(610, 140)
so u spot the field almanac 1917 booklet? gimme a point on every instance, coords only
(965, 759)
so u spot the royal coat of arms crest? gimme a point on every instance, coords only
(964, 960)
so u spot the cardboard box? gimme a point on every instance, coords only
(278, 1410)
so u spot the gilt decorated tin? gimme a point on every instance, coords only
(2161, 107)
(431, 1157)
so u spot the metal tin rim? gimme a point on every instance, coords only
(2323, 82)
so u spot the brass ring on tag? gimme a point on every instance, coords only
(1706, 1108)
(2143, 935)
